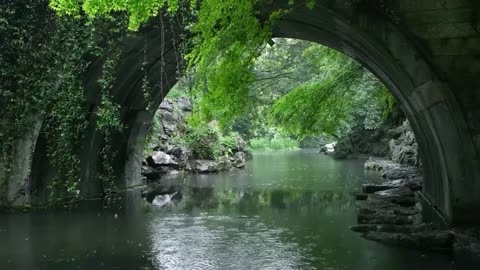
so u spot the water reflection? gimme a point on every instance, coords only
(285, 211)
(250, 199)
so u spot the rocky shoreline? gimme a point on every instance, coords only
(167, 157)
(392, 213)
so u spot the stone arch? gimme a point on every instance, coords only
(386, 49)
(445, 144)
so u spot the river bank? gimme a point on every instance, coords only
(394, 212)
(174, 148)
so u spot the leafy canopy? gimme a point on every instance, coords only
(343, 92)
(138, 11)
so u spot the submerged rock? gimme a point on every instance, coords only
(425, 240)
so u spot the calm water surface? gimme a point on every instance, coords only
(287, 210)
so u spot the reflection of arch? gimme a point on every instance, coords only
(439, 126)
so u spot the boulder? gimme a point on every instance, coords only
(392, 228)
(380, 165)
(203, 166)
(370, 188)
(426, 240)
(239, 159)
(169, 122)
(400, 173)
(240, 144)
(414, 184)
(396, 192)
(384, 218)
(403, 196)
(184, 104)
(161, 159)
(166, 105)
(180, 153)
(151, 174)
(404, 148)
(330, 147)
(224, 163)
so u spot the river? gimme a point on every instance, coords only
(286, 210)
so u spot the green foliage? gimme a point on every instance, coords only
(204, 142)
(274, 144)
(227, 38)
(42, 64)
(138, 11)
(229, 141)
(344, 92)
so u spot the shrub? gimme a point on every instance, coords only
(204, 142)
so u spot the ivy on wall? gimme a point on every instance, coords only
(43, 62)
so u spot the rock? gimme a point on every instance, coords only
(467, 244)
(392, 228)
(164, 200)
(166, 105)
(160, 158)
(414, 184)
(383, 218)
(403, 196)
(224, 163)
(240, 144)
(203, 166)
(396, 192)
(427, 240)
(370, 188)
(375, 205)
(151, 174)
(361, 196)
(400, 173)
(380, 165)
(169, 122)
(330, 147)
(379, 149)
(181, 153)
(153, 146)
(184, 104)
(248, 155)
(404, 148)
(173, 172)
(239, 160)
(364, 227)
(340, 154)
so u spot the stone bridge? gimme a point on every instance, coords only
(427, 52)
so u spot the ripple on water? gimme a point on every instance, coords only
(241, 243)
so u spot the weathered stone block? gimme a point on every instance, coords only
(415, 5)
(427, 95)
(458, 3)
(454, 46)
(438, 16)
(444, 30)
